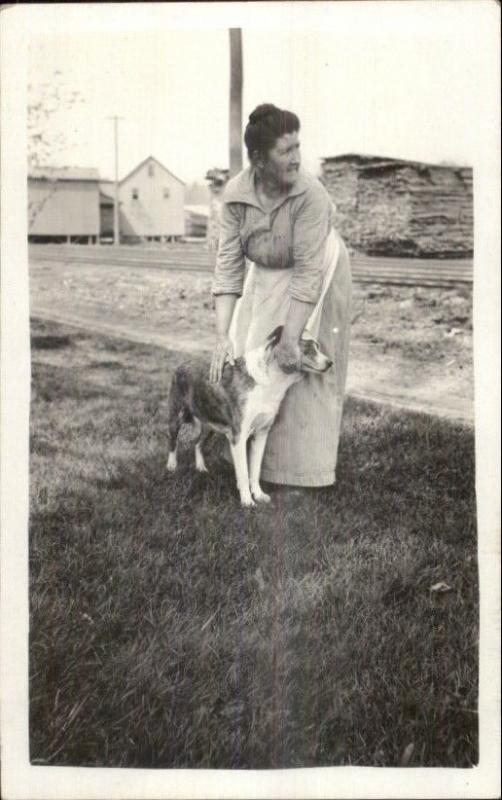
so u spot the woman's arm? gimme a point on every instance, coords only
(224, 306)
(312, 221)
(310, 228)
(230, 264)
(227, 285)
(288, 350)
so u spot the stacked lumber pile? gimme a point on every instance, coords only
(401, 208)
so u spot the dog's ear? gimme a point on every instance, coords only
(274, 338)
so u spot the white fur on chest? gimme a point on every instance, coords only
(263, 401)
(259, 410)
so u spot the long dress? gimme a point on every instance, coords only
(295, 252)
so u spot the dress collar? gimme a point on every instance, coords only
(241, 189)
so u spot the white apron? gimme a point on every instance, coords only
(303, 442)
(265, 301)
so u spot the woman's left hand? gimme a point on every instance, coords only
(288, 356)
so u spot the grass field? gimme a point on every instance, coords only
(170, 628)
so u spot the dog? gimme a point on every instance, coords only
(242, 405)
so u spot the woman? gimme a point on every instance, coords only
(279, 217)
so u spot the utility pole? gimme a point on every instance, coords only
(116, 231)
(235, 133)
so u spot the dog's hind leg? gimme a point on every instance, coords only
(200, 464)
(172, 459)
(174, 426)
(257, 449)
(239, 456)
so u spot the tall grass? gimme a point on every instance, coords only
(171, 628)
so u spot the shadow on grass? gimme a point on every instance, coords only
(50, 342)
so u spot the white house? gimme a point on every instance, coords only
(151, 203)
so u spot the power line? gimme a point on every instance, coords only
(116, 231)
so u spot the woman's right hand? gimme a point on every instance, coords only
(223, 350)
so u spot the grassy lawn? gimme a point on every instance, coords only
(170, 628)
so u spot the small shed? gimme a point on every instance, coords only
(196, 219)
(151, 203)
(389, 206)
(63, 204)
(106, 209)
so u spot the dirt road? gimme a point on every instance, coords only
(411, 347)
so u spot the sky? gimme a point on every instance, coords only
(404, 84)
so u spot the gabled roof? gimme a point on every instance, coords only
(142, 164)
(64, 173)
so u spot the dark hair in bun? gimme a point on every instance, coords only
(267, 123)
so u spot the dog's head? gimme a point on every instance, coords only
(312, 357)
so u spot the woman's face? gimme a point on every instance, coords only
(283, 161)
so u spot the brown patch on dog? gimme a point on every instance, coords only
(217, 404)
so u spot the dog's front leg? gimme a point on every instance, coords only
(239, 455)
(255, 459)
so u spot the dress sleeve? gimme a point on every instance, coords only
(311, 225)
(230, 261)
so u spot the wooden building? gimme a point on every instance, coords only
(151, 203)
(196, 219)
(74, 205)
(63, 204)
(106, 209)
(388, 206)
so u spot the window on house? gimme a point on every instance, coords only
(135, 194)
(166, 192)
(150, 171)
